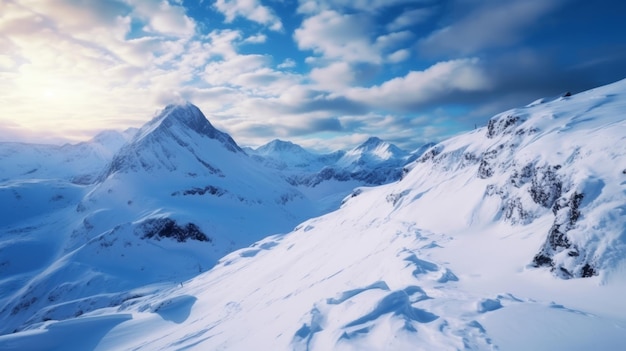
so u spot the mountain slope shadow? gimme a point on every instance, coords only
(176, 309)
(85, 334)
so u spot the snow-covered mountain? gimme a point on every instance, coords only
(292, 158)
(172, 201)
(328, 178)
(79, 163)
(509, 237)
(374, 162)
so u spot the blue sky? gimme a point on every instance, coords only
(323, 73)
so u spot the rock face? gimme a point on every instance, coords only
(158, 228)
(548, 159)
(557, 243)
(454, 255)
(172, 200)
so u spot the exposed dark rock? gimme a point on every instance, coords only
(588, 271)
(430, 154)
(485, 169)
(515, 212)
(546, 186)
(567, 213)
(209, 189)
(502, 125)
(158, 228)
(523, 176)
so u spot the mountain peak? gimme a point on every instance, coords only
(187, 114)
(376, 146)
(371, 143)
(278, 145)
(176, 126)
(175, 119)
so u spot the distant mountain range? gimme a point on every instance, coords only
(162, 202)
(508, 237)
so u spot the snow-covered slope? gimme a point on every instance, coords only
(328, 178)
(374, 162)
(467, 251)
(173, 200)
(292, 158)
(79, 163)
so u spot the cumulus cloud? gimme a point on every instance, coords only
(163, 17)
(287, 63)
(313, 6)
(335, 76)
(337, 36)
(489, 24)
(256, 39)
(399, 56)
(251, 10)
(436, 84)
(410, 18)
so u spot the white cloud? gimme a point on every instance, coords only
(491, 24)
(338, 36)
(256, 39)
(225, 72)
(251, 10)
(164, 18)
(393, 39)
(335, 76)
(399, 56)
(288, 63)
(410, 18)
(70, 66)
(349, 38)
(315, 6)
(421, 88)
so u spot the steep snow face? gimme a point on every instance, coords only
(174, 199)
(445, 259)
(289, 157)
(79, 163)
(172, 140)
(374, 162)
(328, 178)
(450, 257)
(372, 151)
(560, 161)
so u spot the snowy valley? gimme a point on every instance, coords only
(508, 237)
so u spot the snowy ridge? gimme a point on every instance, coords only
(80, 163)
(545, 160)
(289, 157)
(174, 199)
(374, 162)
(373, 150)
(467, 251)
(328, 178)
(181, 124)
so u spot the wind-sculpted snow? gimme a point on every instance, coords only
(467, 251)
(540, 161)
(179, 191)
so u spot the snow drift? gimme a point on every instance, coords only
(507, 237)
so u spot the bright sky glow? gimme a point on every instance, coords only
(323, 73)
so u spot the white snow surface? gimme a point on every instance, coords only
(481, 246)
(80, 163)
